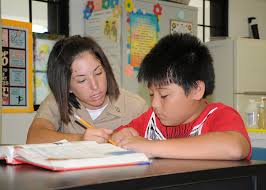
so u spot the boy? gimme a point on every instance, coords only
(181, 123)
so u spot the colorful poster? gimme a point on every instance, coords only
(17, 39)
(5, 37)
(17, 58)
(17, 96)
(5, 96)
(180, 27)
(104, 26)
(17, 66)
(42, 48)
(43, 45)
(5, 76)
(17, 77)
(5, 84)
(143, 36)
(41, 89)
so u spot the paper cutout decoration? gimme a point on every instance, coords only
(157, 9)
(129, 71)
(129, 5)
(88, 10)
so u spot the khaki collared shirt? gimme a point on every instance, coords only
(120, 112)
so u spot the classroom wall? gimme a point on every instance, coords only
(15, 126)
(237, 20)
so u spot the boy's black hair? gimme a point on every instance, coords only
(178, 58)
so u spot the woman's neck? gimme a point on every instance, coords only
(90, 107)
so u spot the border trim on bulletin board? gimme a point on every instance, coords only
(17, 73)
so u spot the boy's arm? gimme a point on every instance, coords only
(126, 131)
(223, 137)
(136, 127)
(229, 145)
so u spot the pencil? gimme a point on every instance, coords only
(84, 124)
(82, 121)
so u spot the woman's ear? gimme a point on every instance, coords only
(198, 91)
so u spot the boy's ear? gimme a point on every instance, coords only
(198, 91)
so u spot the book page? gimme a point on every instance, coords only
(74, 150)
(62, 156)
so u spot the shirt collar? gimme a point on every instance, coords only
(115, 107)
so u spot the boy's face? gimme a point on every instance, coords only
(172, 106)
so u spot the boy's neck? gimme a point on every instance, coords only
(201, 105)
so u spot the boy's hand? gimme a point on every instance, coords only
(99, 135)
(123, 133)
(138, 144)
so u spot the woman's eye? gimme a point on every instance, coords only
(164, 96)
(151, 95)
(81, 81)
(99, 73)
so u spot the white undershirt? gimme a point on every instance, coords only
(95, 113)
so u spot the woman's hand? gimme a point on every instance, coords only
(123, 133)
(99, 135)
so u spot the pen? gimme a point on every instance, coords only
(84, 124)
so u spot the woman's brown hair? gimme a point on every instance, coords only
(59, 71)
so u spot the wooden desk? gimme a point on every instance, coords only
(161, 174)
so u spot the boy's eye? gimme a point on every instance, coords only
(151, 95)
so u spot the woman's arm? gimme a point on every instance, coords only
(43, 131)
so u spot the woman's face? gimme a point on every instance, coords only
(88, 81)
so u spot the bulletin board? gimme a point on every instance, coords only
(102, 21)
(17, 79)
(144, 23)
(137, 25)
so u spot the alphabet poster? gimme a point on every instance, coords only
(17, 78)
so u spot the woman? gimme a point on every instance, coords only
(83, 86)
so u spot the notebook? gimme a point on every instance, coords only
(63, 156)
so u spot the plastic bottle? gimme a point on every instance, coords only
(252, 114)
(261, 115)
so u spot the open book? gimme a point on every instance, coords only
(62, 156)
